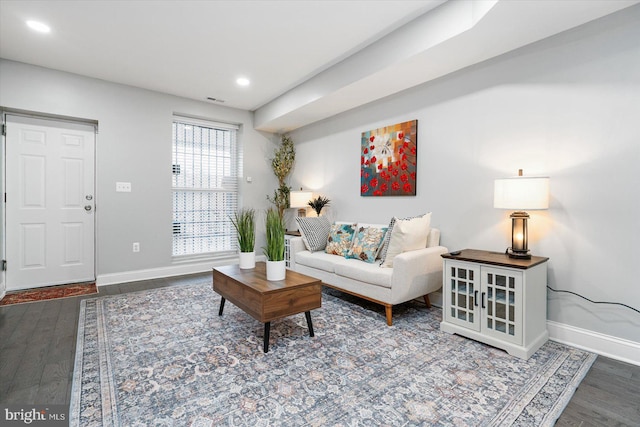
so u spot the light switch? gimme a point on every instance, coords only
(123, 187)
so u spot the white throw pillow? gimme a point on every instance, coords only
(407, 235)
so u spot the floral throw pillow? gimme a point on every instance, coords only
(366, 243)
(339, 240)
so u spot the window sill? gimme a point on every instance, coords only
(190, 259)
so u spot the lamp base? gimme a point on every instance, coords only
(518, 254)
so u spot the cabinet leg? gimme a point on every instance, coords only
(221, 307)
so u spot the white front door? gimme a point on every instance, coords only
(50, 202)
(3, 283)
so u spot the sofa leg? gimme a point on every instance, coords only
(426, 300)
(388, 309)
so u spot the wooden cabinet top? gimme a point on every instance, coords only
(496, 258)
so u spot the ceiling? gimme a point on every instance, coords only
(197, 49)
(306, 59)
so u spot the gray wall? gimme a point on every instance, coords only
(134, 145)
(567, 107)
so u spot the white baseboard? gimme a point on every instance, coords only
(152, 273)
(605, 345)
(177, 269)
(435, 298)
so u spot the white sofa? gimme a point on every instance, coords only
(414, 274)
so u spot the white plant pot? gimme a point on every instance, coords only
(247, 260)
(276, 270)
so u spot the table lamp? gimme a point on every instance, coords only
(520, 193)
(300, 200)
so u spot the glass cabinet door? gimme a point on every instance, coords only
(502, 315)
(462, 290)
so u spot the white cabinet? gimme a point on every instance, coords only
(287, 247)
(498, 300)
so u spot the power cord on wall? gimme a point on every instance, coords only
(595, 302)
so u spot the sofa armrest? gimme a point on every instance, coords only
(295, 245)
(416, 273)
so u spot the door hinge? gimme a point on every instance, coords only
(4, 129)
(4, 265)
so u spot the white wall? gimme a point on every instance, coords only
(567, 107)
(133, 145)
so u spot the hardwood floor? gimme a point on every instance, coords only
(608, 396)
(38, 340)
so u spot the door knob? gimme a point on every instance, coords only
(87, 208)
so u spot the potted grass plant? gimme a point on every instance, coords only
(274, 249)
(244, 221)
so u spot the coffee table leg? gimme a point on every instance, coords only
(267, 330)
(309, 324)
(221, 307)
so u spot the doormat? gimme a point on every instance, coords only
(49, 292)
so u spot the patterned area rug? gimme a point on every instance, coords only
(164, 357)
(50, 292)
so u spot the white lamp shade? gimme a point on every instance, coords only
(521, 193)
(300, 199)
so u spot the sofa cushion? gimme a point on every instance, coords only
(366, 243)
(407, 235)
(315, 231)
(366, 224)
(371, 274)
(340, 237)
(320, 260)
(387, 238)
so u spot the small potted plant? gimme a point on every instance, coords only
(274, 250)
(244, 221)
(318, 203)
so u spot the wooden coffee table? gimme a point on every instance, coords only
(266, 300)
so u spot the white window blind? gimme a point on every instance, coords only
(206, 165)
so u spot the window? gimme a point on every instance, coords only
(206, 165)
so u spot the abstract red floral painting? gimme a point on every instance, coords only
(388, 160)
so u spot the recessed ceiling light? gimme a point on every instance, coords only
(38, 26)
(243, 81)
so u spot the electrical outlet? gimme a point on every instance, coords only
(123, 187)
(136, 247)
